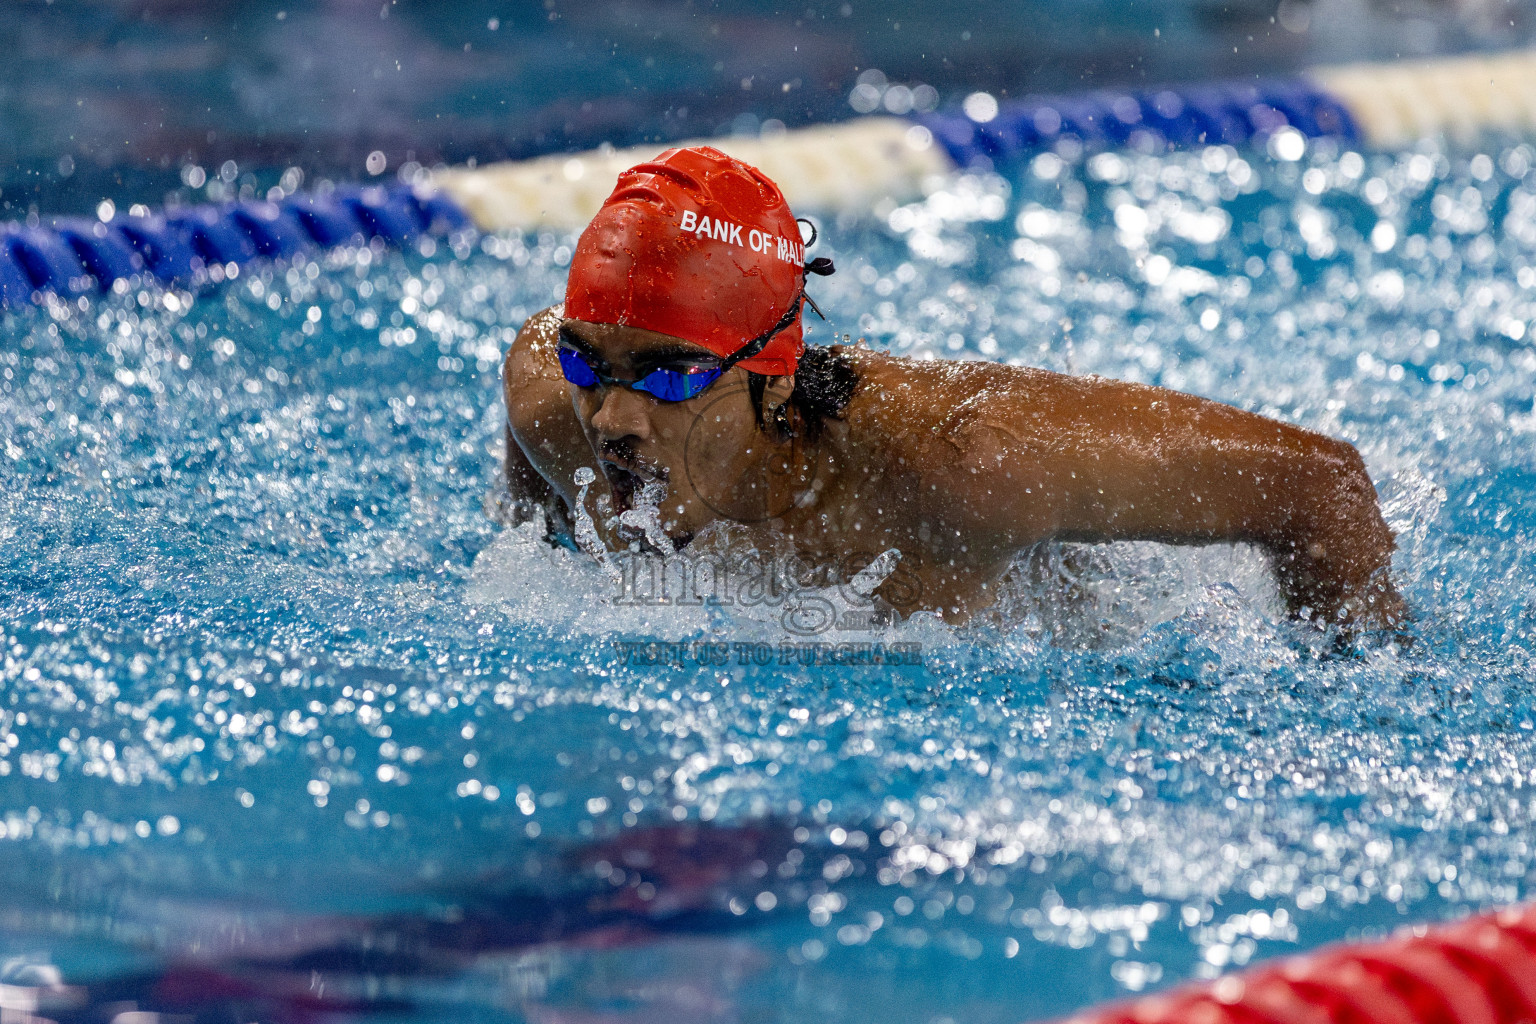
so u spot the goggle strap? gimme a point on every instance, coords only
(821, 266)
(760, 342)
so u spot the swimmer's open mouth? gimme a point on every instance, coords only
(625, 480)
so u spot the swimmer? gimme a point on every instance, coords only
(676, 369)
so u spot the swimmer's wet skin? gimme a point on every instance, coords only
(959, 466)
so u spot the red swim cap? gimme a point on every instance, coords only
(699, 246)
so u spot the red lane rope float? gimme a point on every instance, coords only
(1478, 971)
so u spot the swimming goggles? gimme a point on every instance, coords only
(670, 384)
(665, 383)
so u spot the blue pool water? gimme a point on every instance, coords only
(291, 722)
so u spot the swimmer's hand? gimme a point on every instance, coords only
(1333, 556)
(527, 494)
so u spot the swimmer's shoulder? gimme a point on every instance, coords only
(538, 403)
(926, 429)
(909, 418)
(534, 352)
(962, 429)
(922, 401)
(540, 419)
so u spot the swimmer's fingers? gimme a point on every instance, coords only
(1376, 613)
(1378, 605)
(1376, 616)
(506, 510)
(527, 494)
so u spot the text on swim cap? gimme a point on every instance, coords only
(721, 230)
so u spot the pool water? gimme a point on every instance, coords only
(290, 722)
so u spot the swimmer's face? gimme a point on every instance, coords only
(707, 450)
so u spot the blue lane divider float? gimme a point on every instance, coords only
(1235, 113)
(74, 256)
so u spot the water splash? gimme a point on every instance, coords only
(868, 579)
(587, 537)
(645, 516)
(258, 629)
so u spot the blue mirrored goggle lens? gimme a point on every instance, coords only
(666, 385)
(675, 385)
(576, 369)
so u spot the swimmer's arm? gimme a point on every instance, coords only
(1095, 460)
(545, 444)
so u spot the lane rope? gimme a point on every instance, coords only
(74, 256)
(855, 165)
(858, 164)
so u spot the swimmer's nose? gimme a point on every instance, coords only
(623, 414)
